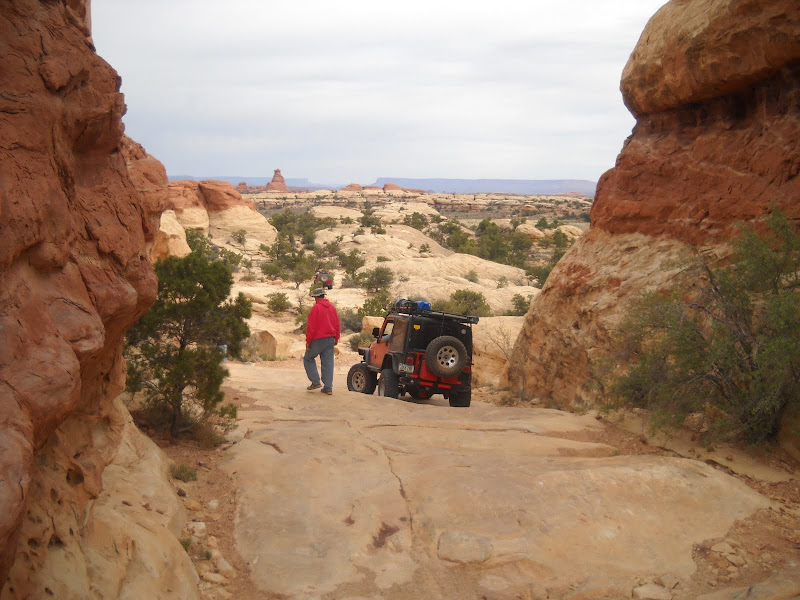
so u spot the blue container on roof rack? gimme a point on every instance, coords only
(423, 305)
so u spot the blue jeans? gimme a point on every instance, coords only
(323, 347)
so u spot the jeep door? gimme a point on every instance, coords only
(378, 350)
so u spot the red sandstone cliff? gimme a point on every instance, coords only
(78, 205)
(715, 88)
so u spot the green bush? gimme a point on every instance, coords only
(381, 258)
(424, 248)
(521, 304)
(464, 302)
(377, 279)
(278, 302)
(175, 347)
(375, 306)
(350, 319)
(182, 472)
(471, 276)
(416, 220)
(725, 342)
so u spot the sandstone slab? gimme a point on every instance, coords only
(338, 491)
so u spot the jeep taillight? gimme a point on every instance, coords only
(410, 359)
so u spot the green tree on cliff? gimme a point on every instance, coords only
(726, 344)
(174, 351)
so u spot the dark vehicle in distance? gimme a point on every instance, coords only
(325, 279)
(418, 351)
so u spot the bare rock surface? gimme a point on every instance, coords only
(360, 496)
(170, 239)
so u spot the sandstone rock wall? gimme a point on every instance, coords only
(217, 207)
(74, 276)
(715, 87)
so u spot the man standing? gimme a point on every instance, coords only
(322, 334)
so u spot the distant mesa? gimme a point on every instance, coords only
(522, 187)
(278, 183)
(519, 187)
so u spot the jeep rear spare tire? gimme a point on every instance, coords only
(446, 356)
(361, 379)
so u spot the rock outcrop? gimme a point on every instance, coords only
(715, 88)
(278, 183)
(79, 205)
(217, 207)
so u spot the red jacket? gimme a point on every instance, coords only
(323, 321)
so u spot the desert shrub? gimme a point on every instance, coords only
(240, 237)
(725, 342)
(182, 472)
(471, 276)
(416, 220)
(424, 248)
(299, 227)
(502, 282)
(360, 340)
(464, 302)
(377, 279)
(520, 305)
(349, 319)
(346, 220)
(368, 218)
(278, 302)
(351, 262)
(350, 281)
(377, 230)
(175, 347)
(375, 306)
(543, 224)
(382, 258)
(302, 317)
(540, 272)
(560, 239)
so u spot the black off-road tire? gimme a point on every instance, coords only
(446, 356)
(360, 379)
(461, 399)
(389, 384)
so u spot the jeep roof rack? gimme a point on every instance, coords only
(422, 307)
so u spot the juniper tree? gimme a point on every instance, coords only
(173, 351)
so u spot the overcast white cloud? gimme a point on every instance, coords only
(349, 91)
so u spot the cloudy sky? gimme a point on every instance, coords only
(349, 91)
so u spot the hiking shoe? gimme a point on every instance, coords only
(314, 386)
(329, 392)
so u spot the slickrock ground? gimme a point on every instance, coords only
(358, 497)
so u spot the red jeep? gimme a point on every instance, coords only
(419, 351)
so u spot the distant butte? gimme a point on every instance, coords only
(278, 184)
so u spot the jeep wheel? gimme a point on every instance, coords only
(389, 384)
(361, 379)
(461, 398)
(446, 356)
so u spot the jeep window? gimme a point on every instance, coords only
(387, 331)
(399, 337)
